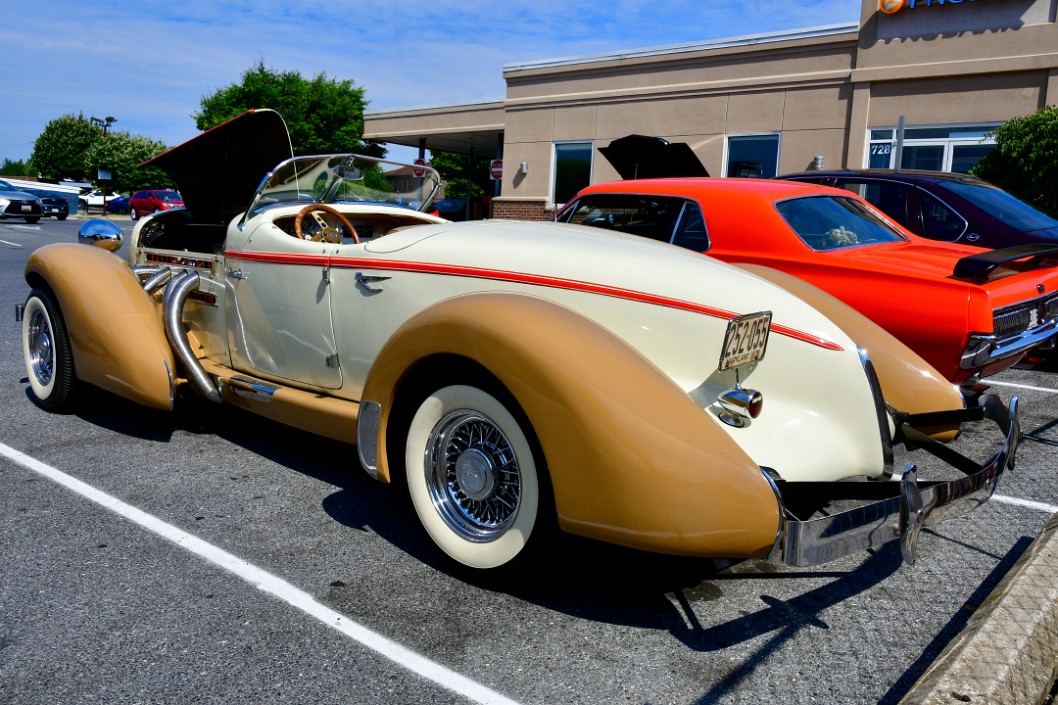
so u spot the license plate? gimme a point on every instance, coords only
(745, 340)
(26, 208)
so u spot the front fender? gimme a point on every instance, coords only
(115, 327)
(632, 459)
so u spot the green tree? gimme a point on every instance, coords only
(58, 152)
(122, 153)
(1025, 160)
(461, 173)
(323, 115)
(17, 168)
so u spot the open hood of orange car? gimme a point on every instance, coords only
(644, 157)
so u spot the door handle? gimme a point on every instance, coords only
(366, 280)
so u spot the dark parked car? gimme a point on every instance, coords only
(945, 206)
(152, 201)
(119, 205)
(54, 206)
(19, 204)
(452, 208)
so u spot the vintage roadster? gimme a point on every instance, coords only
(513, 376)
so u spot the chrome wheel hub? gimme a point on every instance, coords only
(472, 475)
(41, 356)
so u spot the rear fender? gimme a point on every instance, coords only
(632, 459)
(909, 383)
(116, 331)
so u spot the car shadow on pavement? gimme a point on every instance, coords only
(578, 577)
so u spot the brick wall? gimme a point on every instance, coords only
(521, 210)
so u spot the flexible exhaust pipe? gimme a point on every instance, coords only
(156, 279)
(176, 293)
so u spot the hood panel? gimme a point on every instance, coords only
(219, 171)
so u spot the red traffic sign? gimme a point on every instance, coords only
(496, 169)
(419, 162)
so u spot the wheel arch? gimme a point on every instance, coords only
(630, 457)
(115, 328)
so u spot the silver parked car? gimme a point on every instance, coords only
(19, 204)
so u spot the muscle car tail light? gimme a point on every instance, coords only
(739, 405)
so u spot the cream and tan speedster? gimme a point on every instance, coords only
(513, 376)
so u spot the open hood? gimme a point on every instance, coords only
(219, 171)
(643, 157)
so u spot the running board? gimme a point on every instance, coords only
(320, 414)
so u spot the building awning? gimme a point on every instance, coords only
(460, 129)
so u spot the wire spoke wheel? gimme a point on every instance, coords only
(472, 476)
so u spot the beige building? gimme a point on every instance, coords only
(946, 71)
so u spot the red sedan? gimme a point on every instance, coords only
(964, 309)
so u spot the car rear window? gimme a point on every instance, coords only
(1002, 205)
(831, 222)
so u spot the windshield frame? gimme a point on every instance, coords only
(335, 179)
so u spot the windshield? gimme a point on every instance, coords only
(999, 203)
(831, 223)
(346, 178)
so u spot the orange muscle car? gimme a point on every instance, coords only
(964, 309)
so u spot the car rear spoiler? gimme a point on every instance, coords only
(899, 507)
(979, 266)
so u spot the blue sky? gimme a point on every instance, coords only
(149, 63)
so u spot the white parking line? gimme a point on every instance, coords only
(13, 244)
(1021, 386)
(271, 584)
(1043, 507)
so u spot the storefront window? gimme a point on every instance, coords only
(955, 148)
(572, 169)
(753, 155)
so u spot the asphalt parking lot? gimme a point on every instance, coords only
(209, 556)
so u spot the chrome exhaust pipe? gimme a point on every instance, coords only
(176, 293)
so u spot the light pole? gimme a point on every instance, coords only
(105, 123)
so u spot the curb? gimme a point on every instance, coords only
(1008, 651)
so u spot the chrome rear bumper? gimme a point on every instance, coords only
(897, 508)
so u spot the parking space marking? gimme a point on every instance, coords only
(1042, 506)
(271, 584)
(1022, 386)
(13, 244)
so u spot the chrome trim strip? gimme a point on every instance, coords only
(901, 507)
(252, 389)
(879, 406)
(368, 423)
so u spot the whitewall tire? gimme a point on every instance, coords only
(46, 351)
(472, 477)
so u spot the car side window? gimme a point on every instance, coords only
(939, 221)
(690, 230)
(653, 217)
(887, 196)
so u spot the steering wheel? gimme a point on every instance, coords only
(327, 231)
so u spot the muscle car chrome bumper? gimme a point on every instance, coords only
(897, 508)
(983, 350)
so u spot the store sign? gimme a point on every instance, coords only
(891, 7)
